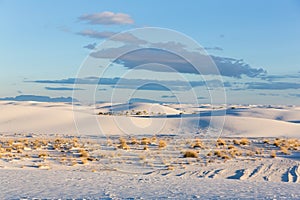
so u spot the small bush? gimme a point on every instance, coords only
(285, 151)
(244, 141)
(197, 144)
(273, 154)
(146, 148)
(190, 154)
(162, 144)
(124, 146)
(218, 153)
(221, 142)
(145, 141)
(277, 143)
(134, 141)
(83, 153)
(236, 142)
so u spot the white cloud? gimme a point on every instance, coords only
(107, 18)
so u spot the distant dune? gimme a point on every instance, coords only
(147, 118)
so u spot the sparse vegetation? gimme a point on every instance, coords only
(72, 152)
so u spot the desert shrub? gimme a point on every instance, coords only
(221, 142)
(84, 161)
(277, 142)
(273, 154)
(244, 141)
(83, 153)
(162, 144)
(134, 141)
(153, 139)
(209, 154)
(170, 167)
(266, 141)
(249, 153)
(218, 153)
(285, 151)
(145, 141)
(236, 142)
(258, 151)
(43, 155)
(122, 140)
(197, 144)
(225, 157)
(123, 144)
(190, 154)
(146, 148)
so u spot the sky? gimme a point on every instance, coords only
(254, 45)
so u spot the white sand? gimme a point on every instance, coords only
(245, 177)
(60, 118)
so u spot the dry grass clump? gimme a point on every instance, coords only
(145, 141)
(43, 155)
(277, 142)
(250, 153)
(285, 151)
(123, 145)
(198, 144)
(221, 142)
(234, 153)
(84, 161)
(153, 139)
(222, 154)
(266, 141)
(134, 141)
(258, 151)
(244, 141)
(236, 142)
(83, 153)
(170, 167)
(218, 153)
(43, 166)
(146, 148)
(273, 154)
(162, 144)
(190, 154)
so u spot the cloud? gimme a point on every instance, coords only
(139, 84)
(126, 38)
(273, 85)
(227, 66)
(107, 18)
(168, 96)
(295, 95)
(147, 86)
(96, 34)
(236, 68)
(214, 48)
(269, 94)
(280, 77)
(90, 46)
(38, 98)
(63, 88)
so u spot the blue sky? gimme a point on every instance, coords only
(45, 40)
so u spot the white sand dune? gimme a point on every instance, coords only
(149, 108)
(243, 177)
(61, 118)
